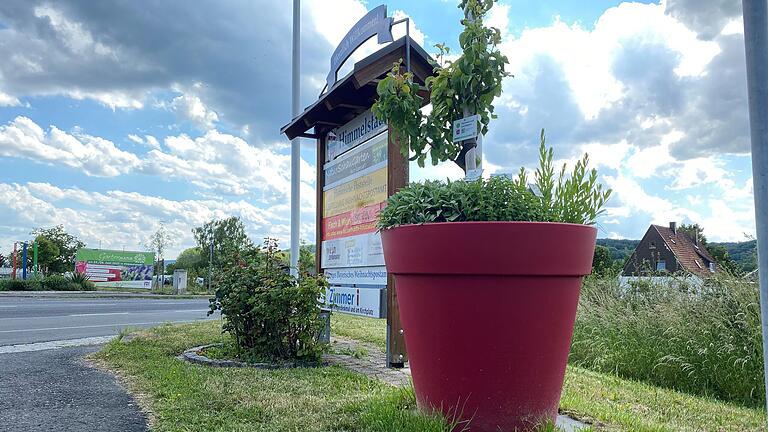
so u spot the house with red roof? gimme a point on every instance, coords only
(669, 250)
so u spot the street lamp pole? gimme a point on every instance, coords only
(296, 142)
(756, 48)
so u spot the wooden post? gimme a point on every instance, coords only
(397, 177)
(319, 182)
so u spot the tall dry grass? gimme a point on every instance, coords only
(703, 340)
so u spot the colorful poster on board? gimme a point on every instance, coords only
(124, 269)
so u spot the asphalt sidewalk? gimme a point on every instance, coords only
(54, 390)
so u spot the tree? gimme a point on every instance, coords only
(460, 88)
(158, 243)
(66, 244)
(48, 253)
(3, 261)
(693, 230)
(723, 258)
(602, 262)
(194, 260)
(228, 237)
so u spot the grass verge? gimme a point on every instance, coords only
(185, 397)
(606, 399)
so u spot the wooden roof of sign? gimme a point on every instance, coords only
(356, 92)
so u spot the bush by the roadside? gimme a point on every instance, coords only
(16, 285)
(704, 341)
(270, 314)
(47, 283)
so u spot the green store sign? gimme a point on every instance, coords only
(101, 256)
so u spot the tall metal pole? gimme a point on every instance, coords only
(24, 261)
(34, 258)
(15, 257)
(296, 142)
(756, 47)
(210, 266)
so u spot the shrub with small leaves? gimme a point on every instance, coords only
(271, 314)
(572, 198)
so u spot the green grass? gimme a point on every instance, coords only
(185, 397)
(604, 398)
(372, 331)
(702, 341)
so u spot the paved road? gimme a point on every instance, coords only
(54, 390)
(44, 387)
(28, 320)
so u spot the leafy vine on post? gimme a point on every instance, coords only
(462, 87)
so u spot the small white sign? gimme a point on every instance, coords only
(362, 250)
(357, 276)
(356, 301)
(466, 128)
(474, 174)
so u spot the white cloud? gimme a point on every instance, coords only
(151, 141)
(93, 155)
(135, 138)
(191, 107)
(118, 219)
(8, 100)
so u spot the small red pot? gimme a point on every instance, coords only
(488, 311)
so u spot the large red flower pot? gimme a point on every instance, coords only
(488, 311)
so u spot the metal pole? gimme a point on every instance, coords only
(24, 261)
(296, 142)
(756, 47)
(210, 266)
(34, 258)
(15, 255)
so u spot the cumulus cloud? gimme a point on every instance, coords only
(216, 161)
(93, 155)
(119, 54)
(117, 219)
(637, 76)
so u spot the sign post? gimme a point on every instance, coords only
(359, 165)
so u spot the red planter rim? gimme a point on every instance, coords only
(522, 248)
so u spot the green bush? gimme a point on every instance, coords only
(82, 281)
(18, 285)
(47, 283)
(270, 314)
(704, 341)
(574, 198)
(58, 283)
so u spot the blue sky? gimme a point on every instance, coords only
(115, 118)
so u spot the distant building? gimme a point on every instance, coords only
(667, 250)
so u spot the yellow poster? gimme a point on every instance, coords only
(358, 193)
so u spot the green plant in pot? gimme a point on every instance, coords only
(488, 272)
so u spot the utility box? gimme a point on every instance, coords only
(180, 281)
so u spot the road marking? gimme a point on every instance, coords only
(99, 314)
(8, 306)
(149, 312)
(40, 346)
(96, 326)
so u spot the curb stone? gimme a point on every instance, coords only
(193, 355)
